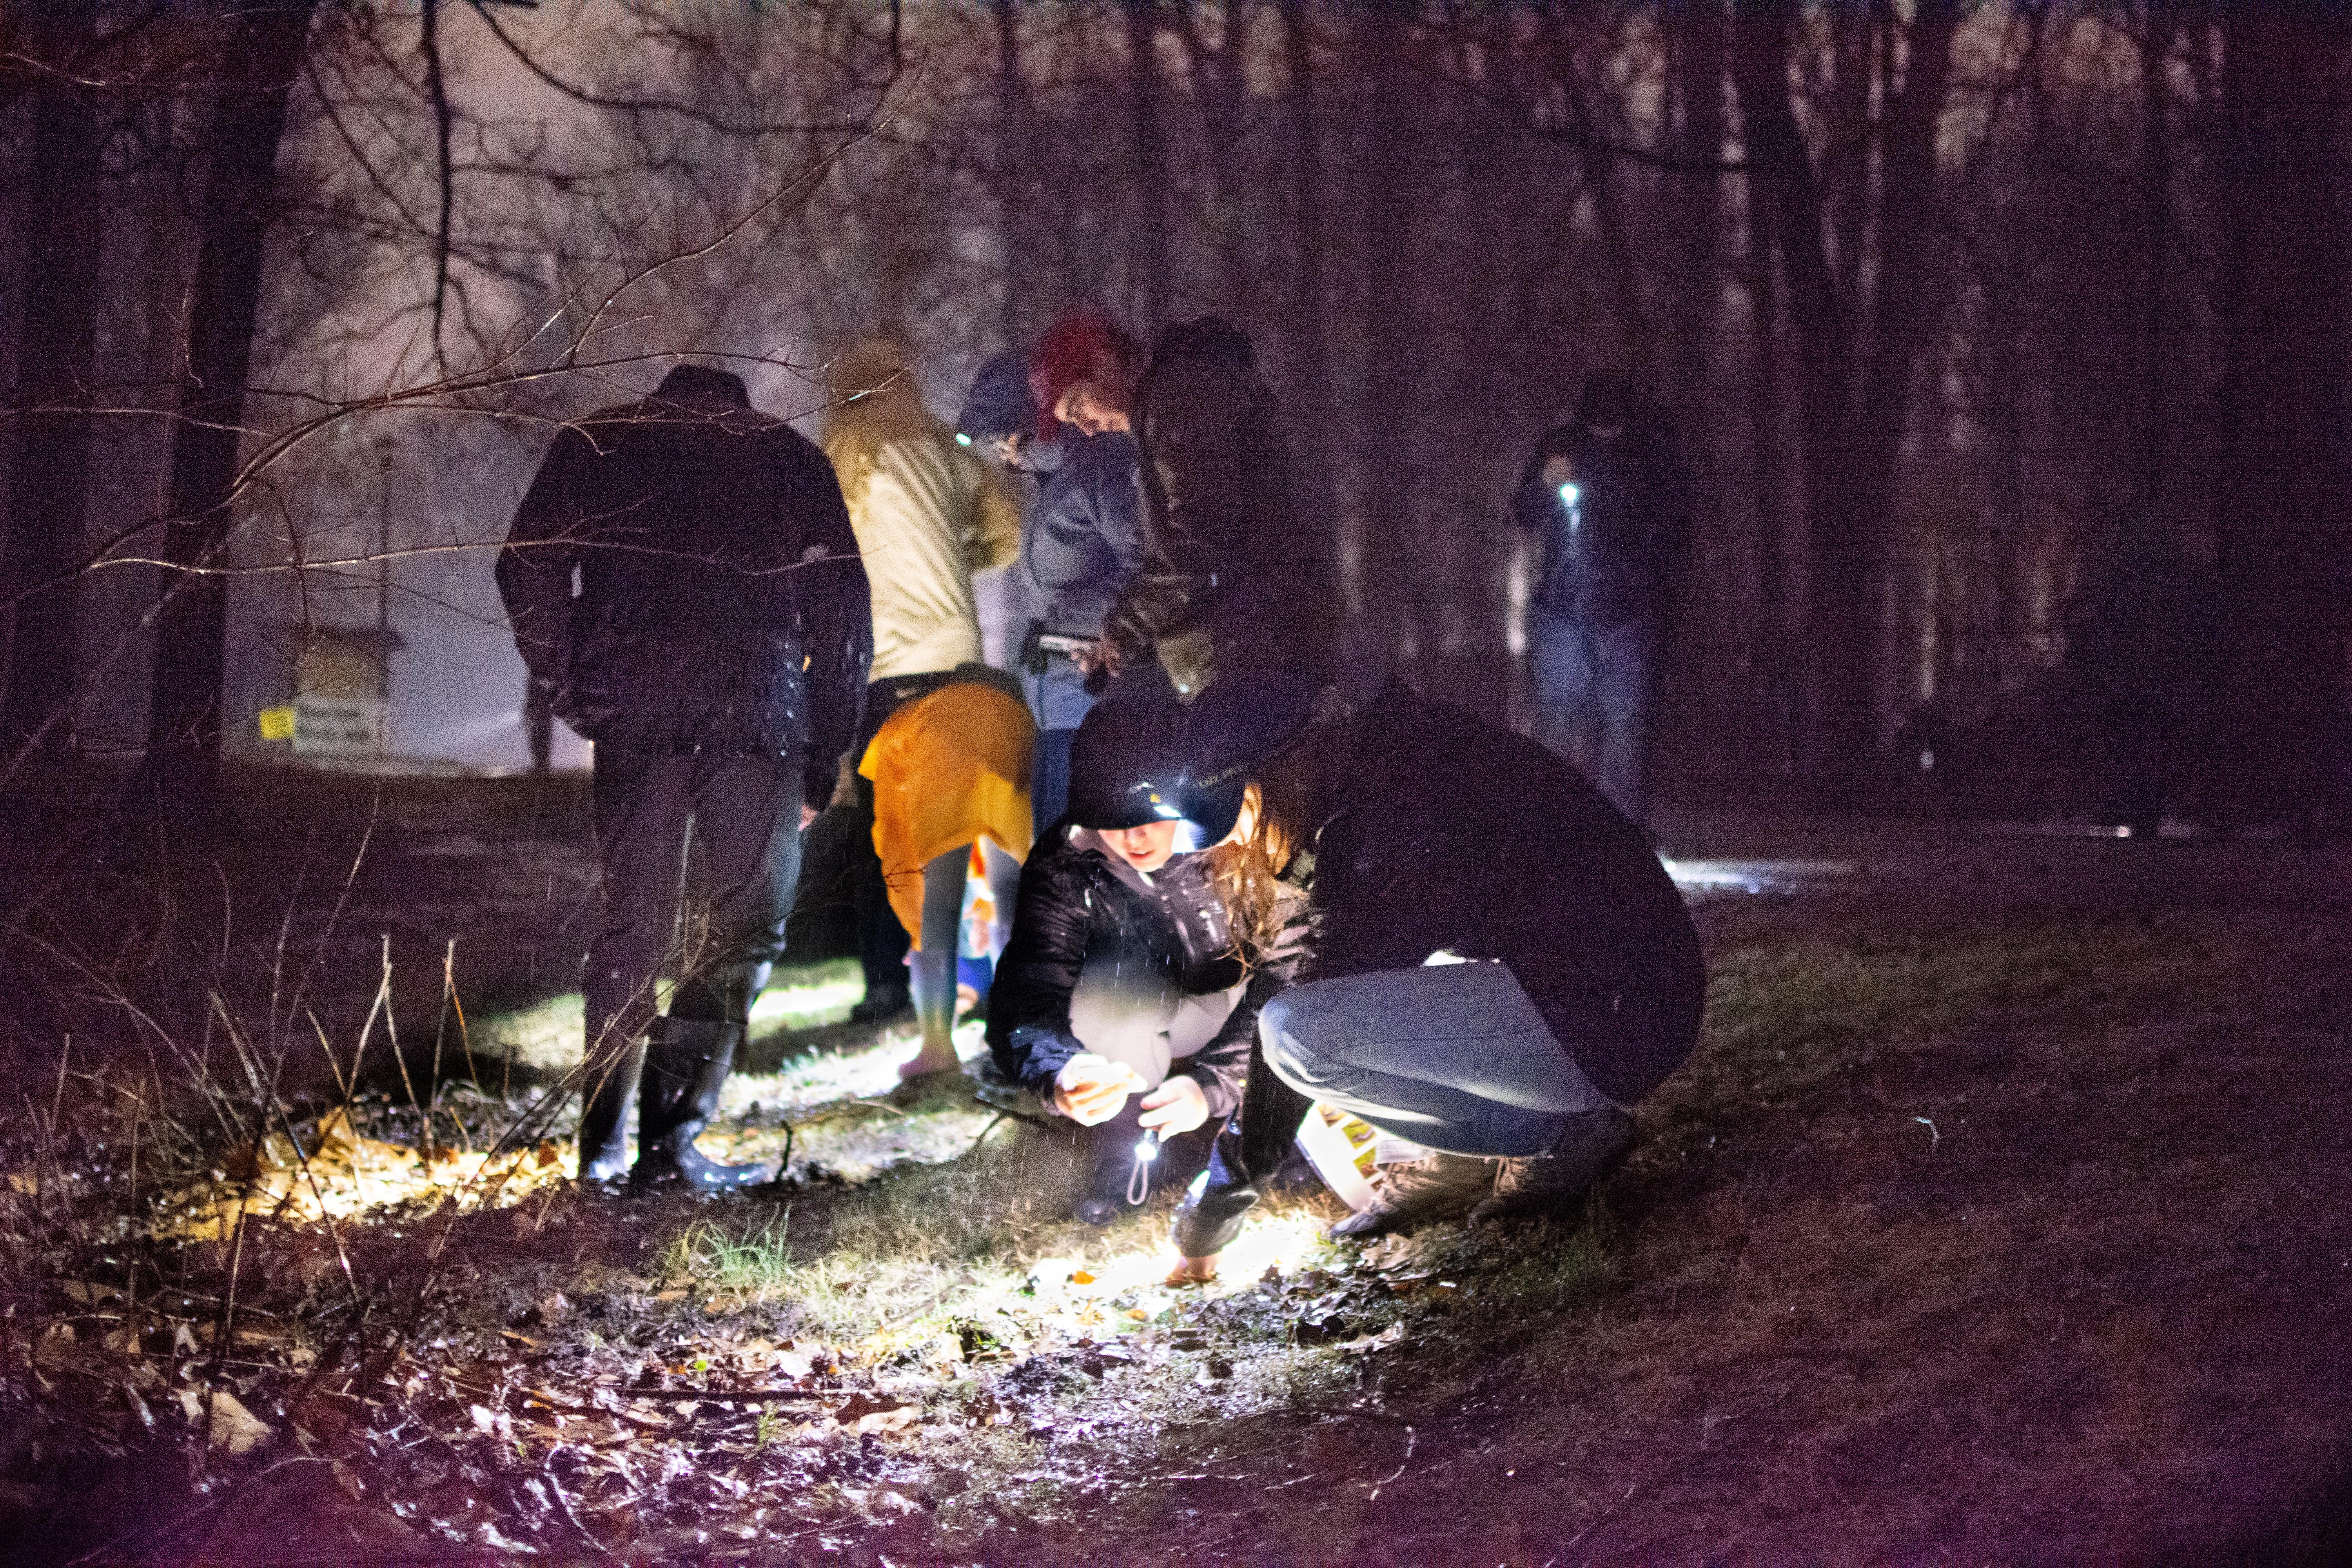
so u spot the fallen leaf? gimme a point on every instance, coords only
(860, 1409)
(1081, 1277)
(234, 1428)
(335, 1133)
(88, 1294)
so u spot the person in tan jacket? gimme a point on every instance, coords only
(927, 513)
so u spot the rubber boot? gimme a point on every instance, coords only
(1111, 1180)
(685, 1065)
(604, 1116)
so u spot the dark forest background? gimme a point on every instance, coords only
(2009, 345)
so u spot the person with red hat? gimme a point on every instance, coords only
(1234, 576)
(1084, 372)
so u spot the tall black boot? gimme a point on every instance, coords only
(606, 1094)
(686, 1060)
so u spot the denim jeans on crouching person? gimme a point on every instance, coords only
(1596, 681)
(1058, 700)
(1452, 1056)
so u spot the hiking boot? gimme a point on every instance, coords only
(686, 1066)
(1415, 1192)
(1593, 1146)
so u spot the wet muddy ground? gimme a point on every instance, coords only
(2001, 1216)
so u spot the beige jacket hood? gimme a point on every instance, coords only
(927, 513)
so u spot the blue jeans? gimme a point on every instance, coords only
(1593, 698)
(1059, 700)
(1453, 1057)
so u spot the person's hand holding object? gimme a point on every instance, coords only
(1101, 653)
(1177, 1105)
(1090, 1088)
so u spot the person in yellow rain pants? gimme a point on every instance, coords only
(948, 770)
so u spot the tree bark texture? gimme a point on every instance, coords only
(62, 229)
(1385, 413)
(258, 65)
(1155, 277)
(1310, 374)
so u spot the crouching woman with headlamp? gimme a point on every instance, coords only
(1449, 933)
(1121, 970)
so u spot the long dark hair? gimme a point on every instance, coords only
(1281, 799)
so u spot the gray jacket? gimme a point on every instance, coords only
(1082, 539)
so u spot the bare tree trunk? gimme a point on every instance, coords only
(1904, 310)
(1016, 174)
(1309, 356)
(2283, 503)
(1476, 668)
(1772, 643)
(1384, 175)
(1629, 347)
(1696, 684)
(1698, 188)
(1852, 411)
(1150, 154)
(2155, 200)
(181, 773)
(1214, 70)
(60, 218)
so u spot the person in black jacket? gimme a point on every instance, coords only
(682, 578)
(1236, 574)
(1121, 965)
(1450, 935)
(1606, 497)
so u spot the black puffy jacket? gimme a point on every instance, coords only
(1074, 909)
(1235, 572)
(721, 603)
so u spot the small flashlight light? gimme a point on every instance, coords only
(1148, 1146)
(962, 440)
(1569, 493)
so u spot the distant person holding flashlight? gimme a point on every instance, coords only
(1606, 501)
(1121, 971)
